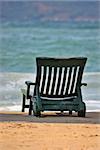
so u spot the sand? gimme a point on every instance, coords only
(18, 131)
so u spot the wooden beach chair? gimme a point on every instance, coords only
(57, 87)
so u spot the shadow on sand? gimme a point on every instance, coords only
(91, 118)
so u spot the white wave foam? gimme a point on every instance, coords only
(91, 110)
(11, 108)
(11, 83)
(18, 108)
(93, 102)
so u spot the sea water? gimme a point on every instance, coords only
(20, 44)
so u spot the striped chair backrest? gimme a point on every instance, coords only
(59, 78)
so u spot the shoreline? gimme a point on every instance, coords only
(19, 131)
(11, 96)
(50, 117)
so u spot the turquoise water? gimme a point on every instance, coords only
(20, 44)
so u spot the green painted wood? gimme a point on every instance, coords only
(59, 79)
(49, 79)
(68, 83)
(58, 62)
(44, 78)
(73, 81)
(44, 99)
(64, 80)
(54, 79)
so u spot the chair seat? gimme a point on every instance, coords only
(57, 101)
(59, 98)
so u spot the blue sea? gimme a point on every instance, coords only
(21, 43)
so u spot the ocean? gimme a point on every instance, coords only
(20, 44)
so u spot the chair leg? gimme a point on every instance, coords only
(70, 112)
(30, 107)
(23, 103)
(61, 111)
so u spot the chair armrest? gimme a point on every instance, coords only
(85, 84)
(29, 83)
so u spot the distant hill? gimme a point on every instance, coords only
(49, 11)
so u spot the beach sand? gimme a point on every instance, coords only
(52, 131)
